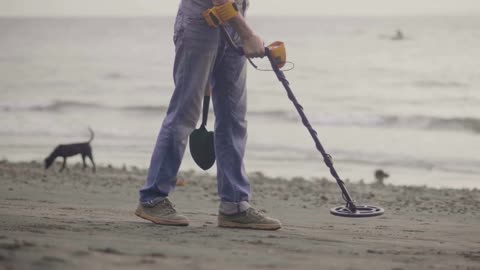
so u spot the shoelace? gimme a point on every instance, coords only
(168, 206)
(255, 213)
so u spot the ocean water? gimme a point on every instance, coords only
(409, 107)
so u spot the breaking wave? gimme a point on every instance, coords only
(469, 124)
(439, 84)
(61, 105)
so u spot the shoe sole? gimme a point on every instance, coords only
(160, 221)
(229, 224)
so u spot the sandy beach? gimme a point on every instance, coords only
(80, 220)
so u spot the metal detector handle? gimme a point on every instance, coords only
(241, 52)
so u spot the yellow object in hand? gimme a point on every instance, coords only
(278, 52)
(218, 15)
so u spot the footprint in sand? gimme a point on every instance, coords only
(52, 259)
(107, 250)
(80, 253)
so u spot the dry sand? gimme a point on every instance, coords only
(80, 220)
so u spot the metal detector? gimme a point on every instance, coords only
(350, 209)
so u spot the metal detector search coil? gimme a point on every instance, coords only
(361, 211)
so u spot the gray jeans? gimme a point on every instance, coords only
(203, 58)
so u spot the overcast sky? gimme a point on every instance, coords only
(258, 7)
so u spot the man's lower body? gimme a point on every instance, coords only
(203, 60)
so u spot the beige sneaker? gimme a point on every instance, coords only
(249, 219)
(161, 213)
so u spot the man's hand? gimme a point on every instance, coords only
(253, 46)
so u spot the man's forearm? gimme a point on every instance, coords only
(252, 44)
(241, 27)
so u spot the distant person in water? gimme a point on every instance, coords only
(399, 35)
(203, 56)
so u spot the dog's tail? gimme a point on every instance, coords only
(92, 135)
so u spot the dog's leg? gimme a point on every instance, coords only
(90, 156)
(84, 164)
(64, 164)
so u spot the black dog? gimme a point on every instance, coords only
(68, 150)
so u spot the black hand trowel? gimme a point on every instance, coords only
(201, 140)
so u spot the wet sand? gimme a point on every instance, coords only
(80, 220)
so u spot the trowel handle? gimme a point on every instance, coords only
(206, 104)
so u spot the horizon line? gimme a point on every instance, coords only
(76, 16)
